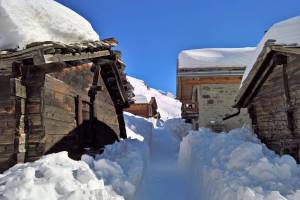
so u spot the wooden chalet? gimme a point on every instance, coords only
(271, 89)
(56, 97)
(207, 82)
(144, 108)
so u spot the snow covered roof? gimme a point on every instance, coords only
(283, 33)
(215, 57)
(140, 99)
(26, 21)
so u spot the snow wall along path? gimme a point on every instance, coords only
(237, 166)
(113, 175)
(163, 179)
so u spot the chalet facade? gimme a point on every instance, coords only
(142, 107)
(271, 88)
(56, 97)
(207, 82)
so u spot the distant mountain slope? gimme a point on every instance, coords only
(168, 106)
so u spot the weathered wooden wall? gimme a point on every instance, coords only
(12, 111)
(80, 78)
(268, 109)
(43, 116)
(143, 110)
(61, 102)
(59, 112)
(185, 84)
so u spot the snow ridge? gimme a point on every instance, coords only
(113, 175)
(237, 166)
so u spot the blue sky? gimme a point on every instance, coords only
(152, 32)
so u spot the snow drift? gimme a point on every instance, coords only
(26, 21)
(113, 175)
(236, 166)
(53, 177)
(168, 106)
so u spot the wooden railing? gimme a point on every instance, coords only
(189, 108)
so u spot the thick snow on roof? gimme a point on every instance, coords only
(140, 99)
(25, 21)
(215, 57)
(168, 107)
(285, 32)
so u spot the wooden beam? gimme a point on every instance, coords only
(287, 96)
(239, 100)
(118, 81)
(49, 58)
(211, 80)
(285, 49)
(79, 116)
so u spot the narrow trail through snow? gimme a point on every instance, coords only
(164, 179)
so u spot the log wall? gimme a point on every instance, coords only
(12, 126)
(143, 110)
(42, 114)
(80, 79)
(185, 84)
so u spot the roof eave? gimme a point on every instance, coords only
(241, 100)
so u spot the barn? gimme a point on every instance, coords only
(142, 107)
(271, 88)
(56, 97)
(207, 82)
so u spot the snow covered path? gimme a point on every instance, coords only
(163, 178)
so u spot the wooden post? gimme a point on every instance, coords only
(79, 117)
(287, 96)
(35, 81)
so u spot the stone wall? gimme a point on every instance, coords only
(215, 101)
(268, 110)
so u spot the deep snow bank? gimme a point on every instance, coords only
(25, 21)
(236, 166)
(113, 175)
(177, 127)
(138, 127)
(121, 166)
(54, 177)
(168, 106)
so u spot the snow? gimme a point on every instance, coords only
(138, 127)
(54, 177)
(26, 21)
(162, 159)
(237, 165)
(113, 175)
(140, 99)
(168, 106)
(215, 57)
(121, 165)
(286, 32)
(163, 178)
